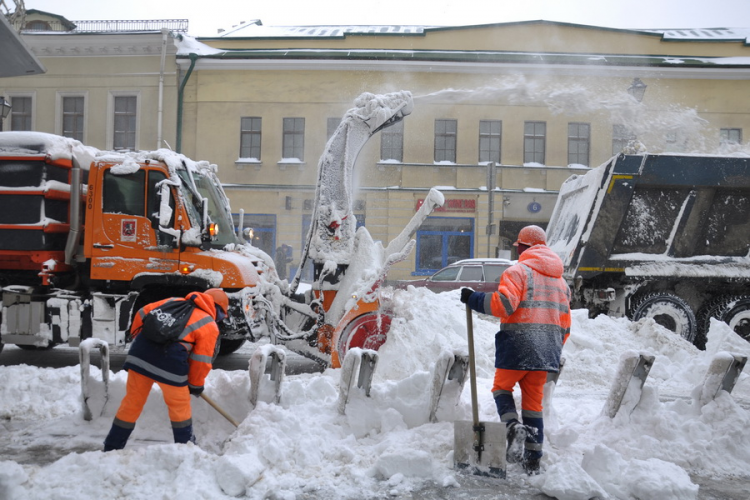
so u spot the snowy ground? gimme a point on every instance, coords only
(384, 446)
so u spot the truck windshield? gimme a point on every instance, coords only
(217, 209)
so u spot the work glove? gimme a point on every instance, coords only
(196, 390)
(466, 294)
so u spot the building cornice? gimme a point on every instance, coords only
(96, 44)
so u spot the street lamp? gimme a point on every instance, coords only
(637, 89)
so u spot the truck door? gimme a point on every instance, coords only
(127, 240)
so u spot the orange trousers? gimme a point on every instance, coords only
(531, 382)
(138, 388)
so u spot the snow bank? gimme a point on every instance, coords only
(384, 445)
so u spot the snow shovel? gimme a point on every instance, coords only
(219, 409)
(479, 447)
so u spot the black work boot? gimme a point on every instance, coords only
(515, 436)
(532, 466)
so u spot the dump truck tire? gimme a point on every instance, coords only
(734, 311)
(667, 310)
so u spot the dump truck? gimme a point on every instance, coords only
(659, 236)
(88, 237)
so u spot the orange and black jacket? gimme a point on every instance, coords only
(533, 304)
(186, 362)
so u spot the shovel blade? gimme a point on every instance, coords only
(490, 459)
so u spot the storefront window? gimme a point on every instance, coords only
(442, 241)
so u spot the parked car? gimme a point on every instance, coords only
(483, 275)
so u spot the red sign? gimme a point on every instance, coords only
(454, 206)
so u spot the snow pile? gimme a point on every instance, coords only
(384, 445)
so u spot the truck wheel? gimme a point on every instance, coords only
(735, 312)
(27, 347)
(667, 310)
(228, 346)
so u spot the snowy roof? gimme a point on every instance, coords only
(705, 34)
(255, 29)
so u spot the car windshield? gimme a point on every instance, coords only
(447, 274)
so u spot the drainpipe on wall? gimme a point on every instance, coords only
(180, 95)
(160, 112)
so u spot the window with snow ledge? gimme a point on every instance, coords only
(241, 163)
(284, 162)
(445, 141)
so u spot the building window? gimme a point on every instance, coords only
(621, 137)
(490, 132)
(442, 241)
(72, 117)
(250, 134)
(331, 126)
(37, 25)
(579, 138)
(125, 121)
(534, 138)
(392, 142)
(731, 135)
(445, 140)
(294, 138)
(20, 113)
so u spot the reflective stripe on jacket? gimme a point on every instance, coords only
(186, 362)
(533, 304)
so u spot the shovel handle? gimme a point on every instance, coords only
(219, 409)
(472, 367)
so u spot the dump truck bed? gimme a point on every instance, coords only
(656, 215)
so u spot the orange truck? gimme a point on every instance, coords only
(88, 237)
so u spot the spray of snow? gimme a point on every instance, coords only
(649, 121)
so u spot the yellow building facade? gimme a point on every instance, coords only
(503, 114)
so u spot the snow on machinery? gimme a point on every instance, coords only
(345, 307)
(145, 226)
(659, 236)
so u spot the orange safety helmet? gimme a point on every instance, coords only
(530, 236)
(220, 298)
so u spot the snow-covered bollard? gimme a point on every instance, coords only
(364, 362)
(722, 375)
(448, 379)
(271, 360)
(631, 375)
(84, 357)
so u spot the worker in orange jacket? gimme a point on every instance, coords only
(179, 368)
(533, 304)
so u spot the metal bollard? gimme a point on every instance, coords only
(84, 357)
(363, 360)
(631, 375)
(722, 375)
(448, 379)
(270, 360)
